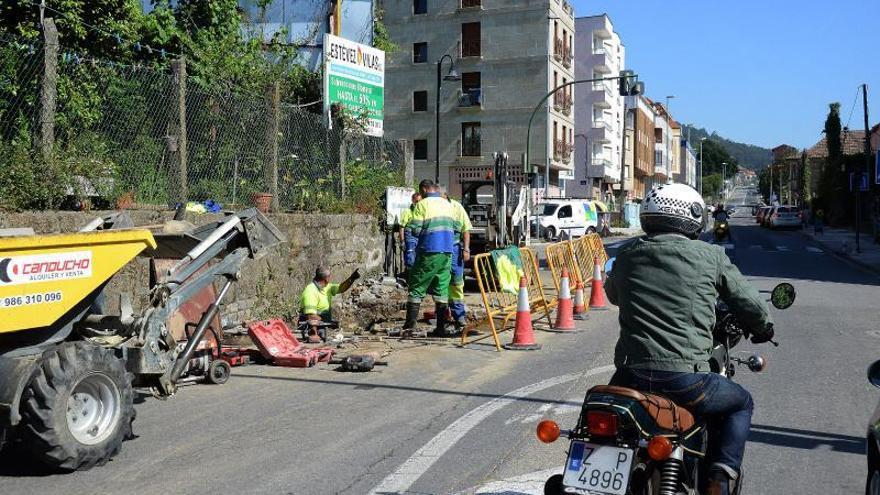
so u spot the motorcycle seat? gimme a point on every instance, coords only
(666, 413)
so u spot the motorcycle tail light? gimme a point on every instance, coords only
(548, 431)
(659, 448)
(602, 423)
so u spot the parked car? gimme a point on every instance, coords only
(785, 216)
(872, 484)
(566, 218)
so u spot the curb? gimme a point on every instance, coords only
(874, 270)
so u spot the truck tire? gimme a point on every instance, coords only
(549, 234)
(78, 407)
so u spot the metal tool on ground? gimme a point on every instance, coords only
(55, 342)
(278, 345)
(565, 309)
(597, 292)
(523, 333)
(580, 307)
(359, 363)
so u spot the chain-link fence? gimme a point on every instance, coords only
(75, 128)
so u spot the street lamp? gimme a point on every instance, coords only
(452, 75)
(668, 141)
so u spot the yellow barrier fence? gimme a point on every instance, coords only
(583, 253)
(500, 304)
(597, 247)
(561, 255)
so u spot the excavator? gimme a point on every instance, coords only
(68, 372)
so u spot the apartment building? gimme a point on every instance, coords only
(640, 143)
(599, 108)
(663, 154)
(505, 56)
(675, 171)
(687, 165)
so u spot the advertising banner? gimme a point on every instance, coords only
(354, 77)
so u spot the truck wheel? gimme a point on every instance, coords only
(219, 371)
(78, 407)
(549, 234)
(591, 230)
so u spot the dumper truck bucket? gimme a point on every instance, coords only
(42, 277)
(260, 236)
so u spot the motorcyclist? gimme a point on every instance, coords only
(720, 214)
(666, 284)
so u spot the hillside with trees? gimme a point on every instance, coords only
(747, 155)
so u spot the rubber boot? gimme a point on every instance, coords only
(412, 316)
(442, 312)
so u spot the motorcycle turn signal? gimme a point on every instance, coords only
(659, 448)
(548, 431)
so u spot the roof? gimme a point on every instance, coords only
(852, 142)
(783, 146)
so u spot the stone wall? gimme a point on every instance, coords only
(270, 286)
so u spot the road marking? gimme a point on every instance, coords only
(410, 471)
(526, 484)
(782, 248)
(729, 246)
(814, 249)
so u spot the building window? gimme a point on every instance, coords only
(420, 101)
(420, 53)
(470, 139)
(471, 90)
(658, 135)
(420, 149)
(471, 4)
(470, 39)
(420, 7)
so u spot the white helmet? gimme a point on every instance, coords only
(673, 208)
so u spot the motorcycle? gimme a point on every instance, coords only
(627, 442)
(721, 229)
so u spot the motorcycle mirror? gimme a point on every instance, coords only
(609, 265)
(756, 363)
(782, 296)
(874, 374)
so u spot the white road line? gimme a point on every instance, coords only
(526, 484)
(782, 248)
(410, 471)
(814, 249)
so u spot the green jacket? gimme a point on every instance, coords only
(666, 287)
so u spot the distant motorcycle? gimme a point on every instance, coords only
(721, 230)
(628, 442)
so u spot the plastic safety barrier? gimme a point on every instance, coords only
(597, 247)
(501, 305)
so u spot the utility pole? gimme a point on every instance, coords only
(858, 176)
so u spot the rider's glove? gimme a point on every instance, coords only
(764, 336)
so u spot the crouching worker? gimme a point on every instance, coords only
(314, 304)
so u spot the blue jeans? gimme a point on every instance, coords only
(708, 396)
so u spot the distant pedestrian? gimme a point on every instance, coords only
(819, 222)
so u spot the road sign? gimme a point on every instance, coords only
(877, 169)
(863, 182)
(354, 77)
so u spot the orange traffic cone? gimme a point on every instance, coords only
(580, 308)
(597, 292)
(523, 334)
(564, 310)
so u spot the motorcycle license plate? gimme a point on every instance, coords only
(598, 468)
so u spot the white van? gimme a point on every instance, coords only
(565, 218)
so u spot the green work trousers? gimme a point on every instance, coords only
(430, 275)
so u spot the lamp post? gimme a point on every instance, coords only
(452, 75)
(668, 141)
(723, 178)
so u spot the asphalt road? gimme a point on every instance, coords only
(443, 420)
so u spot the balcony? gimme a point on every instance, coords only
(599, 133)
(568, 8)
(471, 98)
(601, 63)
(562, 103)
(558, 49)
(562, 151)
(567, 57)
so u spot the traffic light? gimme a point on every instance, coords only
(629, 85)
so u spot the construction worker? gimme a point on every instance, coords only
(433, 225)
(461, 254)
(314, 304)
(409, 242)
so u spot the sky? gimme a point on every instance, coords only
(758, 71)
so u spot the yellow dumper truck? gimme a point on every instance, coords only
(68, 372)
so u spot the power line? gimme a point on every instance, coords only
(855, 99)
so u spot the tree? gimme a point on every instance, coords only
(832, 182)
